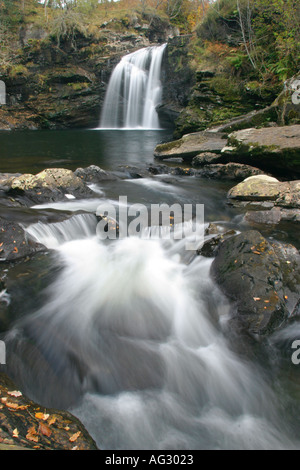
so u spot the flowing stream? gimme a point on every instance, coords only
(132, 335)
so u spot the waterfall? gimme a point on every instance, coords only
(134, 91)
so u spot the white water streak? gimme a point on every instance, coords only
(134, 91)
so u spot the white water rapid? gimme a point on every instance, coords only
(134, 91)
(130, 338)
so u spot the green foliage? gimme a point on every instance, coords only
(79, 86)
(18, 70)
(277, 28)
(237, 60)
(228, 88)
(65, 24)
(267, 33)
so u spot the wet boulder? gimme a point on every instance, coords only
(206, 158)
(25, 425)
(211, 244)
(228, 171)
(272, 217)
(93, 174)
(274, 149)
(191, 145)
(52, 184)
(266, 188)
(6, 179)
(14, 243)
(261, 278)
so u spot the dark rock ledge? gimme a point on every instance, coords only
(261, 278)
(25, 425)
(275, 150)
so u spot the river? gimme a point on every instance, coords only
(132, 335)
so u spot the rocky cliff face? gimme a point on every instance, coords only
(63, 86)
(177, 78)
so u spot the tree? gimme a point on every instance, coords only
(245, 22)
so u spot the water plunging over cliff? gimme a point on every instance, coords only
(134, 91)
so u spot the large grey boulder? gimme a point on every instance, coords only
(265, 188)
(52, 184)
(191, 145)
(271, 148)
(261, 278)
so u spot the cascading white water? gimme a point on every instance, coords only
(134, 91)
(130, 335)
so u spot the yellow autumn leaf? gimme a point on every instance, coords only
(42, 416)
(32, 435)
(15, 393)
(52, 420)
(75, 436)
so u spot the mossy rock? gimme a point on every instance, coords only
(252, 273)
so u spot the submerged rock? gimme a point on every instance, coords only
(262, 279)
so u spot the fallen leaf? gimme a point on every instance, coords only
(52, 420)
(15, 393)
(42, 416)
(32, 435)
(75, 436)
(256, 298)
(15, 433)
(12, 405)
(44, 429)
(15, 250)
